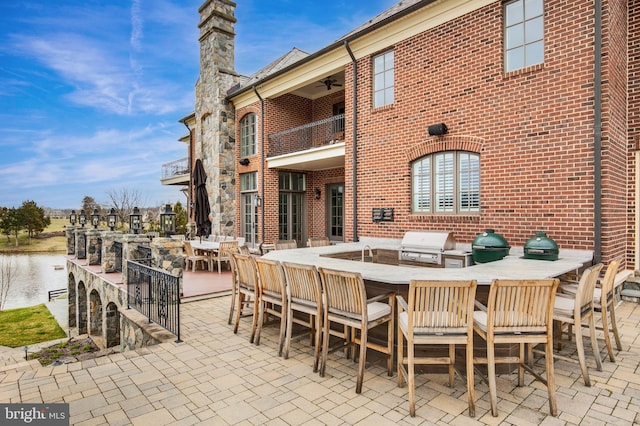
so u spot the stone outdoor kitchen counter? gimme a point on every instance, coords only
(512, 266)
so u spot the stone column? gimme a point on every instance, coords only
(108, 256)
(81, 243)
(130, 251)
(94, 246)
(167, 255)
(69, 232)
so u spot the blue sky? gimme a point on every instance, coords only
(91, 91)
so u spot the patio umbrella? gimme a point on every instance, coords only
(202, 208)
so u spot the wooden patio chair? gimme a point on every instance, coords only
(273, 286)
(305, 296)
(574, 310)
(248, 287)
(234, 283)
(285, 244)
(318, 242)
(518, 312)
(604, 302)
(346, 303)
(440, 313)
(223, 254)
(193, 258)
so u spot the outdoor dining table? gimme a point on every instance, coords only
(209, 248)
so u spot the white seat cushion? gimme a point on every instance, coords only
(564, 306)
(377, 310)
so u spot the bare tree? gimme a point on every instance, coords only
(8, 273)
(124, 200)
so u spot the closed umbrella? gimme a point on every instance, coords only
(202, 208)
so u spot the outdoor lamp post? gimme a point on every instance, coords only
(168, 221)
(135, 221)
(72, 218)
(112, 219)
(95, 218)
(82, 218)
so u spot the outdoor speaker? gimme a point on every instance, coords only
(437, 129)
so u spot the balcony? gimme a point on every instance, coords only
(314, 146)
(175, 172)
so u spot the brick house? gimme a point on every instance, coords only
(454, 115)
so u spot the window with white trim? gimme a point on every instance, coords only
(383, 77)
(446, 182)
(523, 34)
(248, 135)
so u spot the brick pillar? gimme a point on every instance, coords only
(69, 232)
(94, 246)
(108, 256)
(81, 243)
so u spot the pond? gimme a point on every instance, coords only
(36, 275)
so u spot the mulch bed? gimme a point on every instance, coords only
(66, 352)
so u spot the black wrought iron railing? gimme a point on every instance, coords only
(311, 135)
(154, 293)
(117, 248)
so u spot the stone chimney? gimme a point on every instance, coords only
(215, 118)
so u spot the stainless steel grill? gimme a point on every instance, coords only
(426, 247)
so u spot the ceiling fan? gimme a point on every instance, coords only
(330, 82)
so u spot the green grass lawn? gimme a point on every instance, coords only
(27, 326)
(37, 245)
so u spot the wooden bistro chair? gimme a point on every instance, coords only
(317, 241)
(234, 282)
(248, 288)
(273, 286)
(346, 303)
(304, 291)
(518, 312)
(604, 302)
(285, 244)
(193, 258)
(440, 313)
(574, 310)
(223, 254)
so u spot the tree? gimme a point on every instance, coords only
(89, 204)
(33, 218)
(124, 200)
(11, 222)
(8, 273)
(181, 218)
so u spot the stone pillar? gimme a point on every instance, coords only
(167, 255)
(69, 232)
(108, 256)
(130, 243)
(94, 246)
(81, 243)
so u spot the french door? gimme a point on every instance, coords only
(335, 212)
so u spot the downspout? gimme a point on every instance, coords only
(189, 159)
(354, 126)
(255, 90)
(597, 136)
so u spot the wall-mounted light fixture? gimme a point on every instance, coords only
(135, 221)
(317, 193)
(82, 218)
(244, 162)
(95, 218)
(258, 200)
(437, 129)
(112, 219)
(72, 217)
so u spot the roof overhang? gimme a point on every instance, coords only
(321, 158)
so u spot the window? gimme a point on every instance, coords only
(446, 182)
(383, 79)
(523, 34)
(248, 135)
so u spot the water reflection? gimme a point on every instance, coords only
(36, 275)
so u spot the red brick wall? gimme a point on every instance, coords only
(536, 124)
(633, 137)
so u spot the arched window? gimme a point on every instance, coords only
(446, 182)
(248, 135)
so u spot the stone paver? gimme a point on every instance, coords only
(217, 377)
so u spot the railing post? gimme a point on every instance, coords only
(108, 256)
(81, 243)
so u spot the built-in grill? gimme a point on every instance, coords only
(425, 247)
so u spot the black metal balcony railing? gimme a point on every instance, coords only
(154, 293)
(175, 168)
(307, 136)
